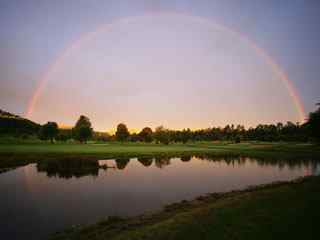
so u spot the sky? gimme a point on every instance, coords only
(180, 64)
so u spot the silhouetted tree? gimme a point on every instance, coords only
(85, 133)
(314, 124)
(185, 135)
(82, 130)
(49, 131)
(162, 135)
(64, 135)
(146, 134)
(122, 132)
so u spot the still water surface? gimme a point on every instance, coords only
(39, 199)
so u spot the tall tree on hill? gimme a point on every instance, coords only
(82, 131)
(122, 132)
(49, 131)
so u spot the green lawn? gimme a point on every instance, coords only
(39, 150)
(279, 211)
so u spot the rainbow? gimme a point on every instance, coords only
(218, 27)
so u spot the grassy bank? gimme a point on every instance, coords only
(287, 210)
(110, 150)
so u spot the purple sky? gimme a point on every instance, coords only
(159, 69)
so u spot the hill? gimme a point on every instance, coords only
(12, 124)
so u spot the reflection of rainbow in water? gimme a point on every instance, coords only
(203, 21)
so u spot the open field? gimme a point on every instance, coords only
(276, 211)
(37, 151)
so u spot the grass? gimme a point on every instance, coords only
(288, 210)
(37, 151)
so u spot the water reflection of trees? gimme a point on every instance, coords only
(78, 168)
(68, 168)
(228, 159)
(280, 163)
(145, 161)
(122, 163)
(9, 164)
(185, 158)
(234, 160)
(162, 161)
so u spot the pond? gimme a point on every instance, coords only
(41, 198)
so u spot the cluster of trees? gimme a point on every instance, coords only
(49, 131)
(270, 132)
(309, 131)
(83, 131)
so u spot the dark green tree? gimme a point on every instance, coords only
(146, 134)
(314, 124)
(122, 132)
(49, 131)
(82, 131)
(162, 135)
(64, 135)
(185, 135)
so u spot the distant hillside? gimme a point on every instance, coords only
(7, 114)
(11, 124)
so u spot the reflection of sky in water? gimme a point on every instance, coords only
(316, 170)
(30, 198)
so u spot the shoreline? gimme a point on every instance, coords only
(141, 226)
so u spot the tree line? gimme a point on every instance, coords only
(83, 131)
(14, 125)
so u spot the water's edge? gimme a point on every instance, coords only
(117, 224)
